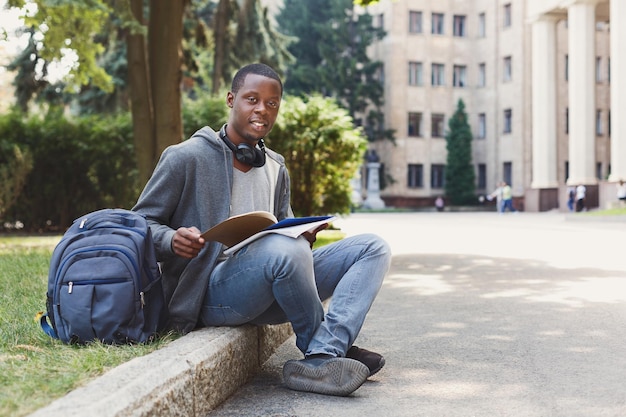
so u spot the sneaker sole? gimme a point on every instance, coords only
(336, 376)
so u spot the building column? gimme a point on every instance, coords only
(618, 90)
(582, 97)
(544, 134)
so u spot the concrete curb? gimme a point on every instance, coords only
(188, 377)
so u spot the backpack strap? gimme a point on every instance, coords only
(47, 328)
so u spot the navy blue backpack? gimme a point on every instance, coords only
(104, 282)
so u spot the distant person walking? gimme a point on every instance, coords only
(497, 194)
(621, 191)
(507, 198)
(439, 204)
(571, 197)
(581, 192)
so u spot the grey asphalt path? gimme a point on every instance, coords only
(481, 315)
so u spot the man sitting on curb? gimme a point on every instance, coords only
(212, 176)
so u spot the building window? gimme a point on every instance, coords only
(482, 26)
(508, 118)
(415, 176)
(415, 22)
(507, 15)
(566, 67)
(437, 76)
(437, 176)
(458, 78)
(567, 120)
(415, 73)
(598, 69)
(566, 171)
(482, 75)
(599, 170)
(415, 124)
(437, 24)
(599, 122)
(459, 26)
(507, 173)
(507, 70)
(481, 177)
(482, 126)
(437, 125)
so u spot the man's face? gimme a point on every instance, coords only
(254, 109)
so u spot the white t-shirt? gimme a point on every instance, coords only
(254, 190)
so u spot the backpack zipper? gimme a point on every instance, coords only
(70, 285)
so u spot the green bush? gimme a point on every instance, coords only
(79, 166)
(13, 174)
(206, 110)
(86, 163)
(322, 148)
(323, 151)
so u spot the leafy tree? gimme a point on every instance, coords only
(93, 100)
(332, 58)
(304, 20)
(258, 41)
(198, 46)
(322, 151)
(153, 56)
(152, 32)
(206, 110)
(28, 83)
(460, 176)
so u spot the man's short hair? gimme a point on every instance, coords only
(258, 69)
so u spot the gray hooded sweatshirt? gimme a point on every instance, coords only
(191, 186)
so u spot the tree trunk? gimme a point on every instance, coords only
(154, 76)
(141, 98)
(165, 57)
(220, 32)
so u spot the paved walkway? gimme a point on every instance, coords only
(481, 315)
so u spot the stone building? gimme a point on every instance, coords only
(539, 110)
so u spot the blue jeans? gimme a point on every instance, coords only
(507, 204)
(278, 279)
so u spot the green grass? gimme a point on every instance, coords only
(607, 212)
(35, 369)
(328, 236)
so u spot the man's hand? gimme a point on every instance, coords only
(187, 242)
(312, 236)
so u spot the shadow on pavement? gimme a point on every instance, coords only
(476, 336)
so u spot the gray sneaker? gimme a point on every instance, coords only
(329, 376)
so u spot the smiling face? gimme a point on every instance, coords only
(254, 108)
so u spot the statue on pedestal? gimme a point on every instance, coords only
(373, 200)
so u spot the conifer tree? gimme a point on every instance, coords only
(331, 54)
(460, 177)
